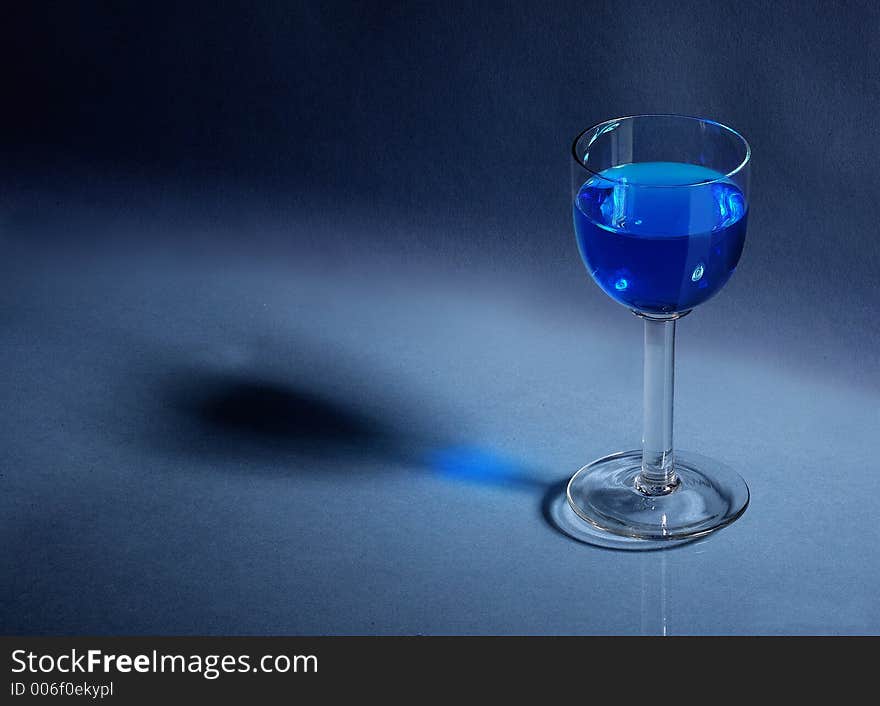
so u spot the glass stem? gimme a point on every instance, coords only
(657, 476)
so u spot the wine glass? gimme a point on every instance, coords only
(660, 210)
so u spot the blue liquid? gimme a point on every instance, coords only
(656, 249)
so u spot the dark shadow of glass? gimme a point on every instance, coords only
(271, 427)
(267, 410)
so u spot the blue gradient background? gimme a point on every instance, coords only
(296, 338)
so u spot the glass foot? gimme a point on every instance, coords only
(709, 496)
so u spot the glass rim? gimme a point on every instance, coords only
(598, 128)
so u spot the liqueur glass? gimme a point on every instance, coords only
(660, 205)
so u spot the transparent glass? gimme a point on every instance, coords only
(660, 207)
